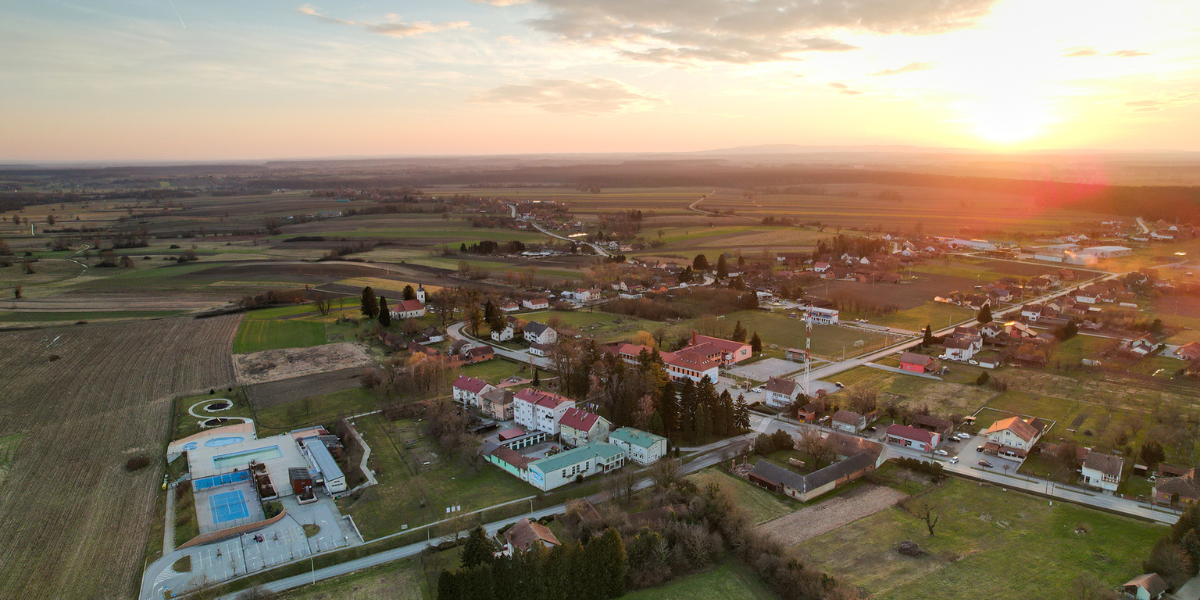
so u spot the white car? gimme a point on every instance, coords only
(941, 453)
(954, 460)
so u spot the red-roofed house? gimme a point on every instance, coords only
(911, 437)
(722, 351)
(630, 352)
(1012, 437)
(525, 533)
(578, 427)
(407, 309)
(534, 409)
(917, 363)
(467, 390)
(1189, 351)
(686, 364)
(536, 303)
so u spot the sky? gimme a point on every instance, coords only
(155, 80)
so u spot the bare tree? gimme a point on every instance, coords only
(928, 512)
(665, 473)
(1091, 588)
(815, 445)
(324, 305)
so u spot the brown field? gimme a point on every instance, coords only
(274, 393)
(276, 365)
(818, 519)
(902, 295)
(74, 523)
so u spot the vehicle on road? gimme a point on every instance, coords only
(941, 453)
(985, 464)
(954, 460)
(979, 448)
(757, 389)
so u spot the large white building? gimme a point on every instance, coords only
(540, 333)
(563, 468)
(690, 365)
(823, 316)
(640, 446)
(541, 411)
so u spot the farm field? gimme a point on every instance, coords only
(934, 314)
(256, 335)
(664, 201)
(758, 504)
(106, 399)
(48, 317)
(304, 410)
(729, 581)
(417, 483)
(943, 398)
(988, 543)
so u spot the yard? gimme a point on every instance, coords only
(605, 327)
(988, 543)
(943, 398)
(758, 504)
(729, 581)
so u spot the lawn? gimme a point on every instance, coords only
(729, 581)
(417, 483)
(48, 316)
(988, 543)
(495, 370)
(758, 504)
(319, 410)
(785, 332)
(397, 580)
(186, 424)
(944, 398)
(605, 327)
(256, 335)
(935, 314)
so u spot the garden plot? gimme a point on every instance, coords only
(275, 365)
(812, 521)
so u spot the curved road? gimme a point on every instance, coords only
(596, 247)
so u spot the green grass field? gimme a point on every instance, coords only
(256, 335)
(758, 504)
(988, 543)
(316, 410)
(778, 329)
(936, 314)
(49, 317)
(729, 581)
(493, 371)
(186, 424)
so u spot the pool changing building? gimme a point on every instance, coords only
(322, 461)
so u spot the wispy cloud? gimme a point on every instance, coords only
(1129, 53)
(500, 2)
(844, 89)
(392, 26)
(1081, 52)
(909, 68)
(1156, 104)
(570, 96)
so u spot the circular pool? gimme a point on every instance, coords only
(219, 405)
(189, 446)
(223, 441)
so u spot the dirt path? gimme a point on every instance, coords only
(813, 521)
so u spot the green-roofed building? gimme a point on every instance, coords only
(562, 468)
(641, 447)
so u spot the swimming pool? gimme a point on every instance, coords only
(208, 482)
(226, 461)
(223, 441)
(228, 506)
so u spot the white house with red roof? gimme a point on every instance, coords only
(578, 427)
(467, 390)
(722, 351)
(686, 364)
(911, 437)
(536, 303)
(630, 352)
(1013, 436)
(407, 309)
(781, 391)
(535, 409)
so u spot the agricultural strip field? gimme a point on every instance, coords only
(256, 335)
(74, 523)
(274, 393)
(729, 581)
(49, 317)
(989, 543)
(666, 200)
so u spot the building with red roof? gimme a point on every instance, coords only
(686, 364)
(722, 351)
(911, 437)
(467, 390)
(578, 427)
(407, 309)
(537, 410)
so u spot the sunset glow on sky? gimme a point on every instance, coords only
(202, 80)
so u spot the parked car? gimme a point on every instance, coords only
(954, 460)
(979, 448)
(985, 464)
(941, 453)
(757, 389)
(839, 384)
(870, 429)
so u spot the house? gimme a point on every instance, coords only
(534, 409)
(806, 487)
(821, 267)
(497, 403)
(1180, 489)
(1142, 346)
(991, 329)
(1189, 351)
(540, 333)
(467, 390)
(1013, 436)
(911, 437)
(560, 469)
(959, 348)
(536, 303)
(686, 364)
(539, 349)
(847, 446)
(781, 392)
(1145, 587)
(503, 335)
(640, 446)
(723, 351)
(809, 412)
(917, 363)
(407, 309)
(849, 421)
(510, 307)
(524, 534)
(940, 426)
(1102, 471)
(578, 427)
(479, 354)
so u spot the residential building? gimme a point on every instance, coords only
(811, 411)
(578, 427)
(781, 392)
(539, 349)
(937, 425)
(524, 534)
(467, 390)
(503, 335)
(959, 348)
(407, 309)
(1142, 346)
(560, 469)
(640, 446)
(911, 437)
(540, 333)
(807, 487)
(917, 363)
(1181, 489)
(1013, 436)
(534, 409)
(509, 307)
(1189, 351)
(497, 403)
(1145, 587)
(723, 351)
(1102, 471)
(536, 303)
(479, 354)
(849, 421)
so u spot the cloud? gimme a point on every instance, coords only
(500, 2)
(1081, 51)
(844, 89)
(569, 96)
(909, 68)
(1129, 53)
(392, 26)
(1155, 104)
(691, 32)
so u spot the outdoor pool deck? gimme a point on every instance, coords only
(278, 453)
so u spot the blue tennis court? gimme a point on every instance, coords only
(215, 480)
(228, 506)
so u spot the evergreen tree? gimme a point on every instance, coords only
(478, 548)
(655, 424)
(608, 563)
(449, 586)
(985, 314)
(700, 263)
(927, 340)
(385, 315)
(722, 267)
(1189, 520)
(489, 312)
(479, 585)
(537, 378)
(409, 293)
(370, 306)
(463, 247)
(739, 333)
(688, 403)
(557, 572)
(755, 343)
(1191, 545)
(741, 414)
(667, 408)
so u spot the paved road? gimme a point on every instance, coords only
(693, 207)
(596, 247)
(456, 330)
(1142, 224)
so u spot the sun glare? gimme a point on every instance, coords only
(1006, 121)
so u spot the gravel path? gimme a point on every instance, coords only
(812, 521)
